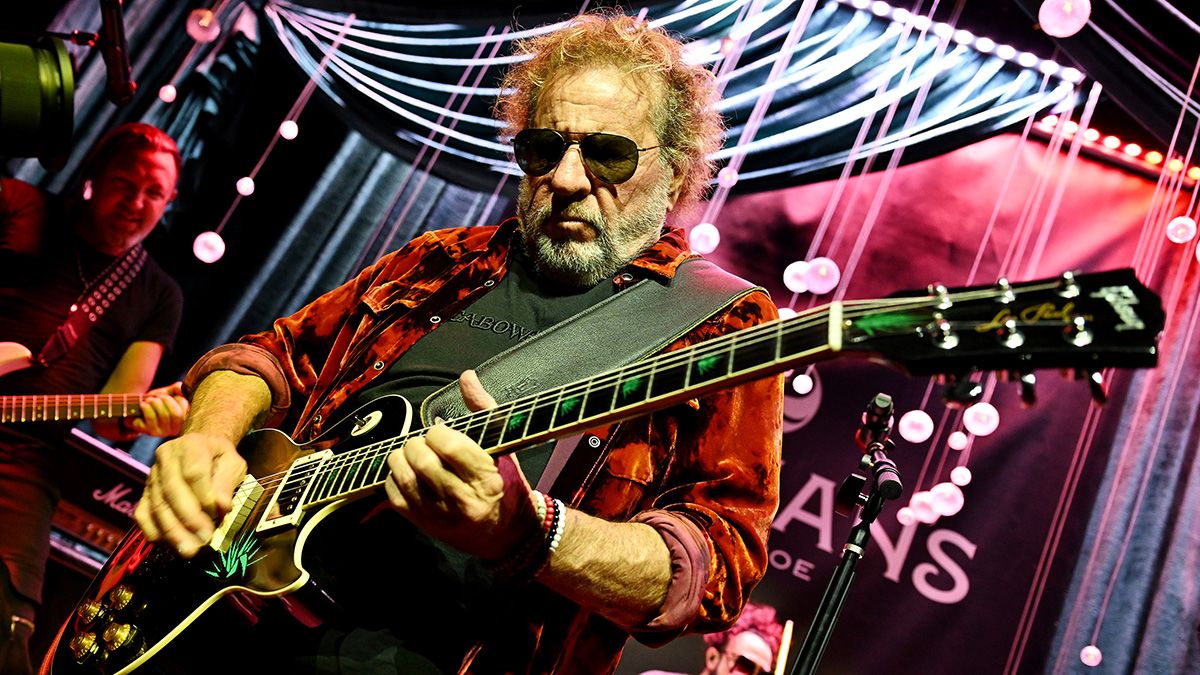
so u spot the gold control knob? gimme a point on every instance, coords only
(119, 635)
(84, 647)
(91, 611)
(120, 597)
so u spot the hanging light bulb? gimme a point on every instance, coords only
(167, 93)
(960, 476)
(208, 247)
(957, 441)
(727, 177)
(981, 419)
(916, 426)
(704, 238)
(1064, 18)
(202, 25)
(245, 186)
(947, 499)
(1091, 656)
(803, 384)
(922, 506)
(794, 276)
(288, 129)
(905, 516)
(1181, 230)
(822, 276)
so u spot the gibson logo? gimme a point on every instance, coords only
(115, 498)
(1046, 311)
(1122, 300)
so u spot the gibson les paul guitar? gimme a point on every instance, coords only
(146, 595)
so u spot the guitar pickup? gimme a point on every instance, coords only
(285, 507)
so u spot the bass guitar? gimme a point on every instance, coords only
(146, 595)
(58, 407)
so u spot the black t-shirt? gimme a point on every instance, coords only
(35, 299)
(430, 600)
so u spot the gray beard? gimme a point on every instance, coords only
(585, 264)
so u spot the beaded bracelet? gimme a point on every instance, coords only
(555, 536)
(528, 554)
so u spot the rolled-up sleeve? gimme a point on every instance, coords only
(246, 359)
(689, 574)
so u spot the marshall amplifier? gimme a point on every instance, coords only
(100, 487)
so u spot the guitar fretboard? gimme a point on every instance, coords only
(67, 407)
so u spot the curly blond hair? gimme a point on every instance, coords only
(684, 115)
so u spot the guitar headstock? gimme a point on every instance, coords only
(1077, 321)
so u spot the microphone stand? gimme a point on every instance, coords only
(872, 436)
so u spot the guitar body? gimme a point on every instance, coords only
(146, 595)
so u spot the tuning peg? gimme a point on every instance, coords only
(1006, 292)
(942, 294)
(1067, 286)
(1028, 388)
(1096, 386)
(961, 391)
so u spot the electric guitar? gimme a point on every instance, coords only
(146, 595)
(58, 407)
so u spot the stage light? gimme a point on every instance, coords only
(1194, 173)
(245, 186)
(794, 276)
(1181, 230)
(1070, 127)
(1072, 75)
(1006, 52)
(1154, 157)
(905, 516)
(901, 15)
(916, 426)
(203, 26)
(1091, 135)
(985, 45)
(1133, 149)
(960, 476)
(1050, 121)
(963, 37)
(288, 130)
(704, 238)
(1175, 165)
(1112, 142)
(880, 9)
(1064, 18)
(208, 247)
(167, 93)
(957, 441)
(1091, 656)
(37, 101)
(822, 275)
(981, 419)
(1027, 60)
(727, 177)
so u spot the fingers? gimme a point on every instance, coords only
(473, 393)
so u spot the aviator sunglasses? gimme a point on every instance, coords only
(609, 157)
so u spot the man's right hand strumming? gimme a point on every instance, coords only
(191, 484)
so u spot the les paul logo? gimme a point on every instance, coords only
(1046, 311)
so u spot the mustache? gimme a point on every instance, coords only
(569, 211)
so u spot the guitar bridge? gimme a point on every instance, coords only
(244, 499)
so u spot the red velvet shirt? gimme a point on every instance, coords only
(704, 474)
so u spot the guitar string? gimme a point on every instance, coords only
(761, 334)
(468, 423)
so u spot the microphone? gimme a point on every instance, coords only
(876, 422)
(120, 84)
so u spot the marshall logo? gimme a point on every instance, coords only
(1122, 300)
(1045, 311)
(115, 498)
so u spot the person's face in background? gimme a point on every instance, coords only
(744, 653)
(126, 199)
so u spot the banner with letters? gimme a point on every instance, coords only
(977, 591)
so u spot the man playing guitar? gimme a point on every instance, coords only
(83, 257)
